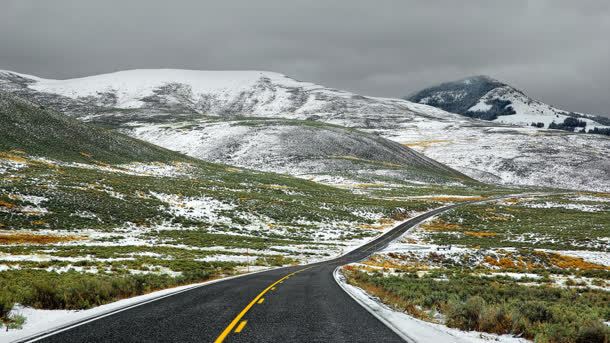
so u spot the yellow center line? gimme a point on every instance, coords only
(241, 326)
(243, 312)
(261, 300)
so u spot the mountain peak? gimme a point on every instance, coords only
(486, 98)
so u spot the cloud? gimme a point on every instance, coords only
(554, 50)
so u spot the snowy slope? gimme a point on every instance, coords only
(296, 147)
(257, 93)
(487, 98)
(158, 105)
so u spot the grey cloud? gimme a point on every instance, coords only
(555, 50)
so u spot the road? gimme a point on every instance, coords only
(293, 304)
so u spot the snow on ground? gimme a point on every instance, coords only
(41, 320)
(527, 110)
(415, 329)
(578, 207)
(590, 198)
(196, 207)
(512, 155)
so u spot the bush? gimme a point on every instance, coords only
(466, 315)
(501, 306)
(495, 319)
(600, 131)
(535, 312)
(6, 305)
(593, 332)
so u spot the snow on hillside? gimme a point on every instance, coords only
(527, 110)
(148, 104)
(295, 147)
(487, 98)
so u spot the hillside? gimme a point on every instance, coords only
(297, 147)
(40, 131)
(89, 216)
(486, 150)
(486, 98)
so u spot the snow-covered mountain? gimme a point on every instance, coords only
(486, 98)
(188, 110)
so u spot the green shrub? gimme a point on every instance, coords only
(593, 332)
(6, 305)
(495, 319)
(466, 315)
(534, 311)
(502, 306)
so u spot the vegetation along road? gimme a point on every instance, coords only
(291, 304)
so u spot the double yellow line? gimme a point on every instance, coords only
(241, 314)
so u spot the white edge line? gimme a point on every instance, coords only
(387, 323)
(78, 322)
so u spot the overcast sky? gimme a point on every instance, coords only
(555, 50)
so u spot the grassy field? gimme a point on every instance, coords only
(578, 221)
(97, 232)
(534, 267)
(499, 305)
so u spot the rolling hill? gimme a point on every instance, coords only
(40, 131)
(140, 102)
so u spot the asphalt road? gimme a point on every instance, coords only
(300, 304)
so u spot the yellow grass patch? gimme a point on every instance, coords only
(381, 263)
(425, 143)
(6, 204)
(369, 226)
(481, 234)
(84, 154)
(503, 262)
(30, 238)
(12, 157)
(571, 262)
(439, 225)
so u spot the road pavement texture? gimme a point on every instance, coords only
(292, 304)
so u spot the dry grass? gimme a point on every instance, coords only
(11, 156)
(7, 204)
(570, 262)
(386, 297)
(440, 225)
(426, 143)
(502, 262)
(30, 238)
(480, 234)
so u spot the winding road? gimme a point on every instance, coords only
(292, 304)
